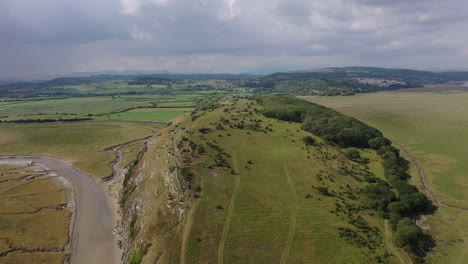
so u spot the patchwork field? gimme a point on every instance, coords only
(65, 108)
(81, 142)
(432, 123)
(88, 107)
(34, 220)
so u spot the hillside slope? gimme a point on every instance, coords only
(229, 185)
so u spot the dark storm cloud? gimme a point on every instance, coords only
(52, 37)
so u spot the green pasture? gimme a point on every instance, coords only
(84, 107)
(431, 122)
(67, 108)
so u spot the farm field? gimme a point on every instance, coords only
(128, 87)
(80, 142)
(87, 107)
(163, 114)
(108, 87)
(34, 220)
(432, 123)
(66, 108)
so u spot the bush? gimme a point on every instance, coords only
(408, 234)
(187, 174)
(308, 140)
(133, 231)
(378, 142)
(324, 191)
(139, 254)
(354, 155)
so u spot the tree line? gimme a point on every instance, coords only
(394, 199)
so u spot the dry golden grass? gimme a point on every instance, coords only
(130, 153)
(47, 228)
(7, 169)
(14, 176)
(29, 219)
(36, 258)
(4, 246)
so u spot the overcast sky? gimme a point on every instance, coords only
(46, 38)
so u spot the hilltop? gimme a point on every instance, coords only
(267, 180)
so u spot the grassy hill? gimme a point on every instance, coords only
(229, 184)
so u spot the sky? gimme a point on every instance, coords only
(48, 38)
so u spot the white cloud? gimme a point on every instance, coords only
(131, 7)
(139, 34)
(134, 7)
(231, 10)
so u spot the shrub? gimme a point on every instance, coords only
(308, 140)
(324, 191)
(187, 174)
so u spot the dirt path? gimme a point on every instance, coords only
(187, 229)
(230, 210)
(426, 184)
(117, 171)
(393, 248)
(92, 239)
(292, 226)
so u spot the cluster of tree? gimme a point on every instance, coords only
(354, 155)
(47, 120)
(207, 104)
(400, 208)
(321, 121)
(332, 87)
(149, 81)
(366, 72)
(324, 87)
(395, 199)
(308, 140)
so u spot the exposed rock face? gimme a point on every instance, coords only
(154, 213)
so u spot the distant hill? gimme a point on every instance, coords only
(455, 76)
(197, 76)
(115, 72)
(349, 80)
(324, 81)
(32, 86)
(363, 72)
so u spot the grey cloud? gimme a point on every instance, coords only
(62, 21)
(229, 35)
